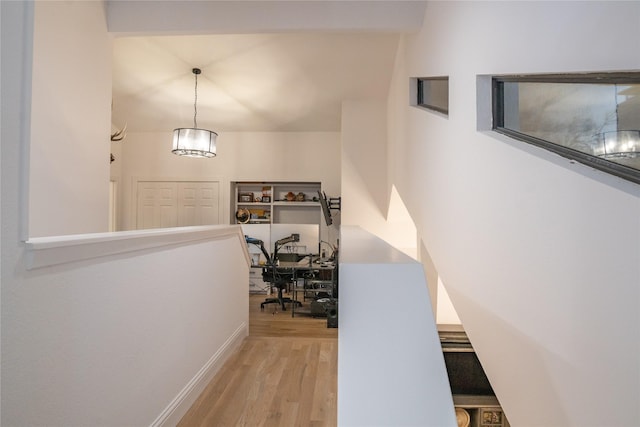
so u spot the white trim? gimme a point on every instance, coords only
(179, 406)
(48, 251)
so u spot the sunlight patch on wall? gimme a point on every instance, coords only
(445, 311)
(403, 234)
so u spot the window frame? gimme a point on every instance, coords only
(497, 111)
(420, 102)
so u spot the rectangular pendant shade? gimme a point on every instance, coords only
(622, 143)
(193, 142)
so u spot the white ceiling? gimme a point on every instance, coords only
(266, 65)
(249, 82)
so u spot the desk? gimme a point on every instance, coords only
(312, 277)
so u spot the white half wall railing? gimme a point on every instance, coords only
(121, 328)
(391, 369)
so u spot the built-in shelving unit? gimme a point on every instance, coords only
(269, 211)
(275, 203)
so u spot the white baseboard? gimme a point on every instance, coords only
(188, 395)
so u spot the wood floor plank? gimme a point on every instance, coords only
(326, 386)
(284, 374)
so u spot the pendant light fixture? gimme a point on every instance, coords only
(194, 142)
(619, 143)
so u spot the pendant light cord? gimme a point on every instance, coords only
(195, 103)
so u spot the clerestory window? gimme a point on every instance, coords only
(433, 93)
(592, 118)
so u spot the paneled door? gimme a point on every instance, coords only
(198, 203)
(162, 204)
(157, 204)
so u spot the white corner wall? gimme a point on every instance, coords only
(368, 199)
(367, 196)
(70, 119)
(540, 255)
(15, 74)
(364, 169)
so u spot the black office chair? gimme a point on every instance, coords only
(279, 278)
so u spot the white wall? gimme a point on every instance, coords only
(70, 119)
(241, 156)
(539, 255)
(15, 101)
(364, 172)
(368, 200)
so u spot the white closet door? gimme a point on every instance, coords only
(177, 203)
(157, 204)
(198, 203)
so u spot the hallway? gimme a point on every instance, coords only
(284, 373)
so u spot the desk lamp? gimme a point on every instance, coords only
(293, 238)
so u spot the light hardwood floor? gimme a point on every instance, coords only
(284, 374)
